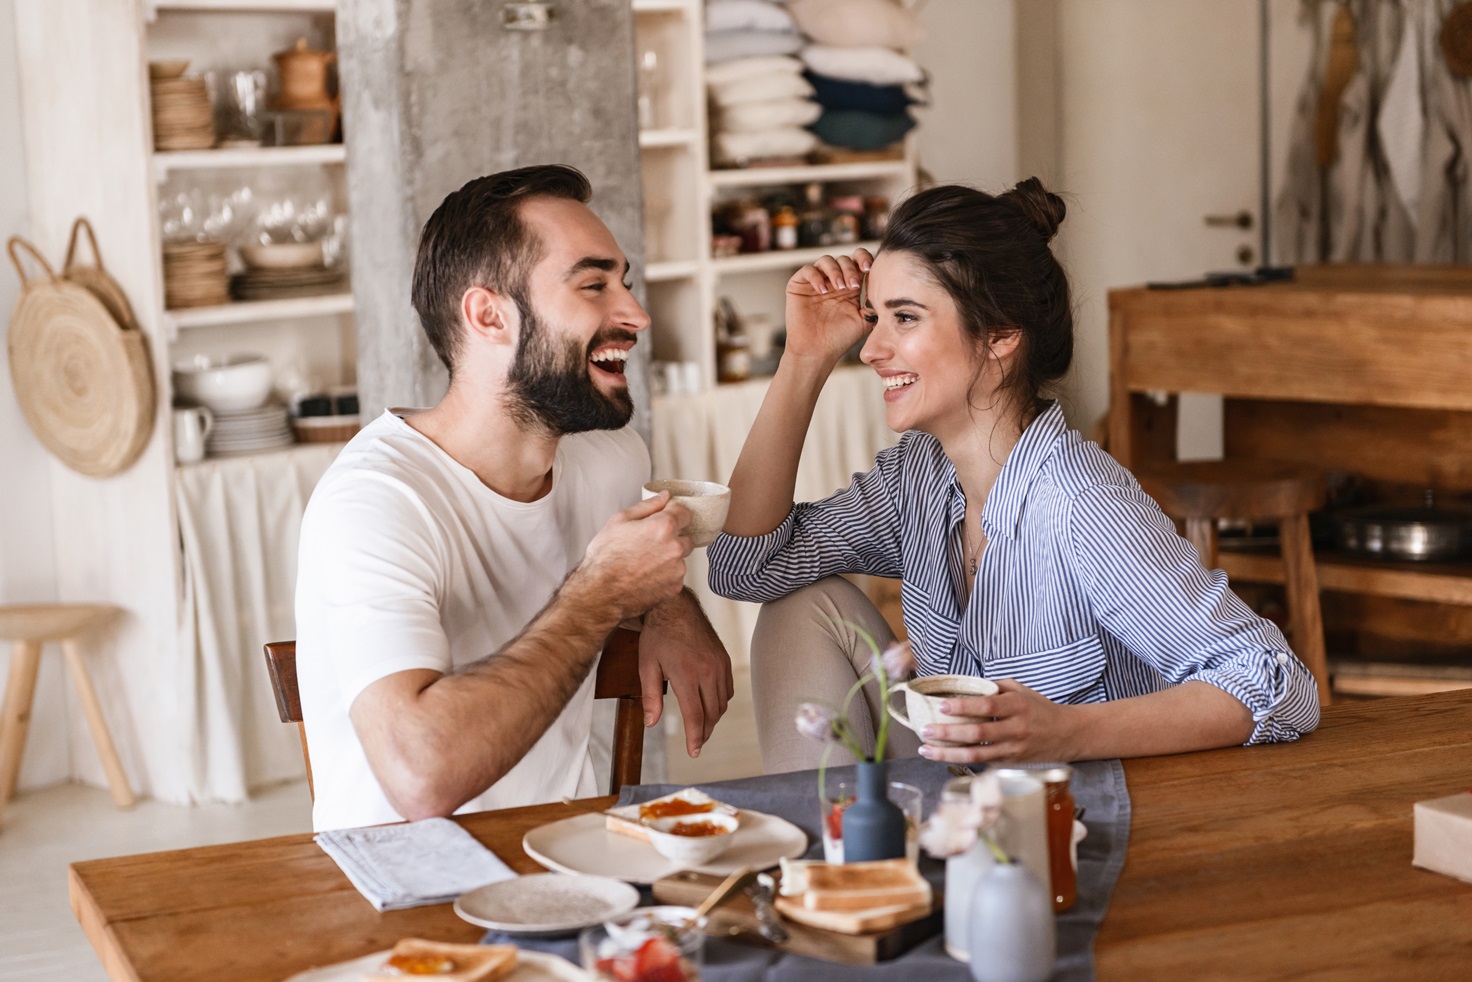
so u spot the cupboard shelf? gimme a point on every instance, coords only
(679, 137)
(244, 6)
(165, 161)
(676, 269)
(246, 312)
(756, 262)
(804, 174)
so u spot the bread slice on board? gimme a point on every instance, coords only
(855, 886)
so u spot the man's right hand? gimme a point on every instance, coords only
(638, 558)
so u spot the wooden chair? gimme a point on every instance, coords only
(30, 626)
(617, 678)
(1200, 492)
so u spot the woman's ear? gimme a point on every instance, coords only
(489, 315)
(1003, 342)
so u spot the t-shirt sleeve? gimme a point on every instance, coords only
(376, 560)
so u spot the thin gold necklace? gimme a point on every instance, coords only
(972, 553)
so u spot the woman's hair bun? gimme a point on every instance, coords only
(1041, 207)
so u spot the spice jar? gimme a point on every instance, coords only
(846, 223)
(784, 228)
(876, 216)
(1060, 808)
(733, 347)
(751, 221)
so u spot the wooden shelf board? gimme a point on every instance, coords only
(677, 269)
(662, 6)
(169, 160)
(1441, 583)
(248, 6)
(783, 259)
(754, 176)
(261, 310)
(656, 139)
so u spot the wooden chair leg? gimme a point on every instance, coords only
(117, 779)
(628, 744)
(1201, 533)
(1305, 617)
(20, 690)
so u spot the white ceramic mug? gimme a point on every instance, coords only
(923, 697)
(192, 427)
(707, 501)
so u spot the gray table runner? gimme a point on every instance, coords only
(1098, 786)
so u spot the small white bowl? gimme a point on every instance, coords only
(692, 850)
(232, 384)
(708, 502)
(282, 255)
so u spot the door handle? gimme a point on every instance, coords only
(1242, 219)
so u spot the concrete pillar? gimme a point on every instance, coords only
(436, 92)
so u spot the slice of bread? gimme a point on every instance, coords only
(627, 819)
(855, 886)
(465, 962)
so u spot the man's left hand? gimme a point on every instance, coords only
(679, 644)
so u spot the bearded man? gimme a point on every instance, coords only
(461, 566)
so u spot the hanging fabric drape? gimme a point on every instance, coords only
(1378, 160)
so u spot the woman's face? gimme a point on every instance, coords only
(923, 356)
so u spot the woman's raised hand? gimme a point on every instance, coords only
(823, 315)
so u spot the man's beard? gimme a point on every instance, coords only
(550, 385)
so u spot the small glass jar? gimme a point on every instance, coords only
(1060, 809)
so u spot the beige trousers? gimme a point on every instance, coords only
(804, 649)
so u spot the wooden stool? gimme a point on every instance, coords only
(29, 627)
(1200, 492)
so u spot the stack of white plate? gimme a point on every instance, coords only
(250, 431)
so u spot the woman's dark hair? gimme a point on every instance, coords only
(476, 238)
(990, 254)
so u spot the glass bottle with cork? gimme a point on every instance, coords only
(733, 347)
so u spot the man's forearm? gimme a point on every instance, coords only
(462, 732)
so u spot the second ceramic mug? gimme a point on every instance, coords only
(923, 697)
(191, 428)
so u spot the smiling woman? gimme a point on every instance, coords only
(1028, 556)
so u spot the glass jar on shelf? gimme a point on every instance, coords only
(845, 222)
(812, 224)
(733, 347)
(876, 217)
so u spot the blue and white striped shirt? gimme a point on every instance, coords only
(1084, 592)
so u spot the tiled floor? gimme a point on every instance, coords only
(44, 830)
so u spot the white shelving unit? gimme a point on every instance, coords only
(227, 158)
(681, 190)
(257, 311)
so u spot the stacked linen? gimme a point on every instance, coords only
(859, 71)
(759, 99)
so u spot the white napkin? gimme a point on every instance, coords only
(398, 866)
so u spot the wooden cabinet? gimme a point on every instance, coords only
(1364, 371)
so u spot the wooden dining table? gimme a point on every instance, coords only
(1284, 861)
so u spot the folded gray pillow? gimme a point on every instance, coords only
(725, 45)
(854, 129)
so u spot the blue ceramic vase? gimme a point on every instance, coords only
(1012, 936)
(873, 826)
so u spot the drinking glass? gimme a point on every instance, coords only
(838, 795)
(642, 942)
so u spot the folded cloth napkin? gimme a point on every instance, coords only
(747, 15)
(779, 141)
(778, 86)
(857, 23)
(398, 866)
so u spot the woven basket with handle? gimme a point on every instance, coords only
(79, 364)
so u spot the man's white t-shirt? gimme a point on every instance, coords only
(408, 561)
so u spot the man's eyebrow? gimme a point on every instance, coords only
(600, 263)
(903, 302)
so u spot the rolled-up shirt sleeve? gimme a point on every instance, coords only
(855, 530)
(1149, 589)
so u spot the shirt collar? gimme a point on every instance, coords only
(1003, 511)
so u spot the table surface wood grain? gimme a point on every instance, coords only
(1287, 861)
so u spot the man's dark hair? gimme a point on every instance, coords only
(476, 237)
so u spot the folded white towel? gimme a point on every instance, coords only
(398, 866)
(747, 15)
(737, 69)
(746, 117)
(876, 66)
(760, 88)
(781, 141)
(725, 45)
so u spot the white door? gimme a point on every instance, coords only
(1158, 131)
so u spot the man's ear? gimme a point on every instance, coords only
(489, 315)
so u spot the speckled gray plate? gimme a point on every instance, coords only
(546, 904)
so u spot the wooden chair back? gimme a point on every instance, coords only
(617, 678)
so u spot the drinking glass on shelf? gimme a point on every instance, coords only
(241, 110)
(651, 85)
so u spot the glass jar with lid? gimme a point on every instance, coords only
(1060, 810)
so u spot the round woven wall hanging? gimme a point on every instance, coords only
(83, 382)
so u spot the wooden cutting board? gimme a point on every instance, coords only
(737, 918)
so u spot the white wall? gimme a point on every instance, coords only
(968, 135)
(27, 571)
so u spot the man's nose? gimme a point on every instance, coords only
(632, 314)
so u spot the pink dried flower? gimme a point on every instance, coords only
(816, 722)
(896, 662)
(955, 825)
